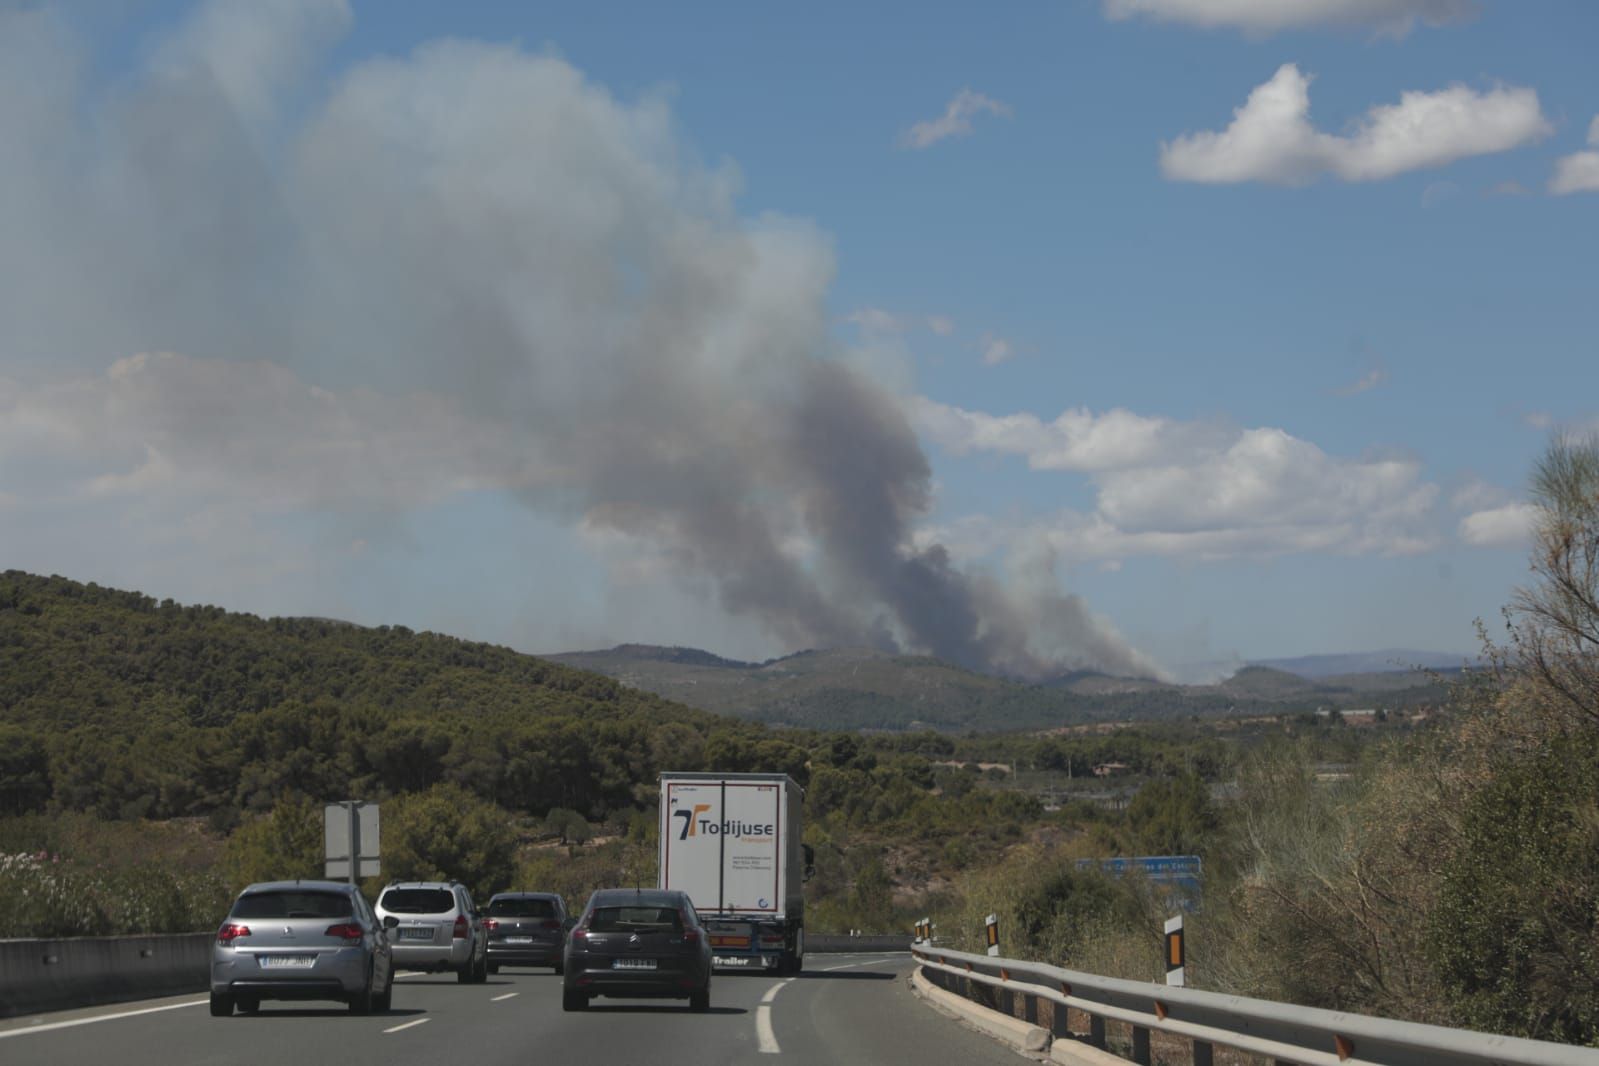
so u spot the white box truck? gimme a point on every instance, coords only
(732, 842)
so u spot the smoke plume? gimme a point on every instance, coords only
(485, 225)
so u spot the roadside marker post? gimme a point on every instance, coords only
(1175, 952)
(993, 934)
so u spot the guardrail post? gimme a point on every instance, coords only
(1141, 1045)
(1096, 1031)
(1058, 1019)
(1203, 1054)
(1030, 1009)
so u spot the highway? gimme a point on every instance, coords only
(846, 1010)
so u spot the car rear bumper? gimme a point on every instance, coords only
(432, 956)
(597, 977)
(636, 985)
(534, 954)
(336, 973)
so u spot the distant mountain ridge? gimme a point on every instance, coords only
(858, 688)
(1369, 662)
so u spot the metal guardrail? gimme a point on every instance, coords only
(1303, 1036)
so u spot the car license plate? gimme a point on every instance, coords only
(519, 940)
(416, 934)
(632, 964)
(733, 960)
(286, 962)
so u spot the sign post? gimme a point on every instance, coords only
(350, 835)
(1174, 952)
(993, 934)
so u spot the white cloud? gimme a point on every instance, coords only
(1194, 490)
(1077, 439)
(1578, 172)
(255, 435)
(876, 321)
(1269, 16)
(1538, 419)
(1477, 495)
(956, 121)
(1510, 526)
(253, 50)
(1271, 138)
(996, 350)
(1366, 383)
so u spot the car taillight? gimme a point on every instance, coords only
(489, 925)
(462, 930)
(230, 932)
(691, 935)
(349, 932)
(580, 933)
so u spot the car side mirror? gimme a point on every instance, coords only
(568, 924)
(391, 922)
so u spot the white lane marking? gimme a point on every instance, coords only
(508, 995)
(407, 1025)
(98, 1018)
(763, 1021)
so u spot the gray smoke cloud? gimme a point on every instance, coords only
(483, 224)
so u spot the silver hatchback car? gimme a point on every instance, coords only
(435, 927)
(301, 940)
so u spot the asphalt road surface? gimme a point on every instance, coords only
(843, 1011)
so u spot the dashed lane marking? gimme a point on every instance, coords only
(508, 995)
(408, 1025)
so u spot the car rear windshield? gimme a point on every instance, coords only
(418, 900)
(522, 908)
(633, 919)
(292, 904)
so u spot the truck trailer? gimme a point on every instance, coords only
(733, 843)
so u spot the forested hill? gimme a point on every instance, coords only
(114, 702)
(73, 654)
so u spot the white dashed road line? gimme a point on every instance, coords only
(763, 1021)
(508, 995)
(407, 1025)
(97, 1018)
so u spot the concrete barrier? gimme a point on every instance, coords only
(829, 943)
(42, 975)
(1019, 1034)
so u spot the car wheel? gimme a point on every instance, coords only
(221, 1005)
(384, 1003)
(248, 1004)
(559, 969)
(494, 967)
(467, 971)
(700, 1001)
(574, 1000)
(481, 974)
(361, 1002)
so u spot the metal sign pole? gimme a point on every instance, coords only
(355, 839)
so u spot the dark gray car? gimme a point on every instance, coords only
(638, 943)
(301, 940)
(526, 929)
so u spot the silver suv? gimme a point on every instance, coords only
(301, 940)
(435, 928)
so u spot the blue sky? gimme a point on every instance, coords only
(1188, 330)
